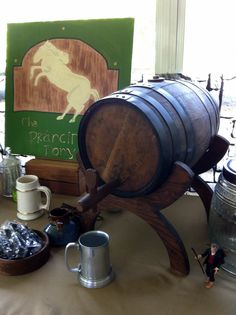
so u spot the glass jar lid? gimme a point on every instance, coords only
(229, 171)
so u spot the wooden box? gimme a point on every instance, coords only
(61, 177)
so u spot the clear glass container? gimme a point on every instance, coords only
(222, 220)
(10, 170)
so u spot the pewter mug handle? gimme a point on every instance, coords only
(75, 269)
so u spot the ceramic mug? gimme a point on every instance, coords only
(30, 204)
(94, 269)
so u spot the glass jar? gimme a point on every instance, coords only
(10, 170)
(222, 219)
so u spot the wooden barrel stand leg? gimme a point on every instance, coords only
(179, 263)
(149, 209)
(204, 191)
(217, 149)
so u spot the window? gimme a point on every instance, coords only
(209, 37)
(144, 13)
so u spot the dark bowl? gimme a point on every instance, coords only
(14, 267)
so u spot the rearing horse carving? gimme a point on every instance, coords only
(53, 66)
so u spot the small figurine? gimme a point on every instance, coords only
(214, 259)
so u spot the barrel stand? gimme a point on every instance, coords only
(149, 207)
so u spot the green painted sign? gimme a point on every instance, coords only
(55, 71)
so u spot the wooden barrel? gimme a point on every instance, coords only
(136, 134)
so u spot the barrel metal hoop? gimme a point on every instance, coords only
(166, 152)
(166, 158)
(153, 86)
(187, 127)
(81, 139)
(146, 97)
(212, 101)
(193, 88)
(157, 128)
(184, 117)
(82, 132)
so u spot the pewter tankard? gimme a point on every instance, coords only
(94, 269)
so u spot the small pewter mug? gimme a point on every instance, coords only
(94, 270)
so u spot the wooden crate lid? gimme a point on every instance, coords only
(63, 171)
